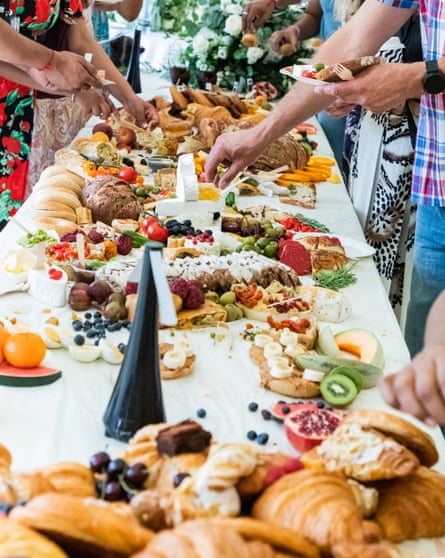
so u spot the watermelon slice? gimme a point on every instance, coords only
(27, 377)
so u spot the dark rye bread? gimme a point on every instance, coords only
(356, 66)
(110, 198)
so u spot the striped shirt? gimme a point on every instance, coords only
(428, 185)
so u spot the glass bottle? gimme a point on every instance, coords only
(137, 395)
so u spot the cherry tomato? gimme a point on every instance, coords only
(146, 222)
(308, 74)
(156, 232)
(128, 174)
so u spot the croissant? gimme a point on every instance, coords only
(362, 454)
(20, 487)
(85, 527)
(19, 541)
(383, 549)
(421, 496)
(209, 539)
(69, 478)
(400, 429)
(319, 505)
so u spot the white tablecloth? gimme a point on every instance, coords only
(63, 421)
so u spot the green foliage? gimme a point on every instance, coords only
(212, 33)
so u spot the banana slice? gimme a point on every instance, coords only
(295, 350)
(262, 339)
(280, 368)
(313, 375)
(186, 347)
(272, 349)
(288, 337)
(175, 358)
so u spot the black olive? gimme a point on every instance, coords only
(128, 162)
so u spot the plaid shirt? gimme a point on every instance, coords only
(428, 185)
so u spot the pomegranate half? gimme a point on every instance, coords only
(308, 426)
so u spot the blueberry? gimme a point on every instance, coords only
(252, 435)
(121, 347)
(321, 404)
(267, 415)
(187, 222)
(87, 324)
(91, 333)
(88, 315)
(262, 438)
(98, 315)
(329, 408)
(179, 477)
(201, 413)
(79, 339)
(253, 406)
(77, 325)
(96, 342)
(99, 325)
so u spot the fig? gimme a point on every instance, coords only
(126, 136)
(117, 297)
(78, 297)
(308, 426)
(114, 311)
(99, 291)
(105, 128)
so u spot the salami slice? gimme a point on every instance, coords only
(295, 255)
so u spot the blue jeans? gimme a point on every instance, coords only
(428, 278)
(334, 128)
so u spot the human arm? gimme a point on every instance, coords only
(307, 26)
(59, 70)
(419, 388)
(81, 41)
(362, 35)
(255, 14)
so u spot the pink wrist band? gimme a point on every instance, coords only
(47, 66)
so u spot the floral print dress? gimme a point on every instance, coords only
(17, 104)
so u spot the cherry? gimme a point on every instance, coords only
(136, 475)
(115, 468)
(114, 491)
(99, 462)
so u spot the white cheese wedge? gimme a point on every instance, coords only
(47, 290)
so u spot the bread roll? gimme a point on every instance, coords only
(61, 170)
(58, 182)
(61, 226)
(44, 199)
(67, 214)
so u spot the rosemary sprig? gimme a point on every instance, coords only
(312, 223)
(336, 279)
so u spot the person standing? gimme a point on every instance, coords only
(379, 88)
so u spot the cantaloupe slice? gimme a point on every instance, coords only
(361, 344)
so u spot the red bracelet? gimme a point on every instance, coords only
(47, 66)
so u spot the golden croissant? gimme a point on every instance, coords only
(319, 505)
(239, 538)
(421, 496)
(19, 541)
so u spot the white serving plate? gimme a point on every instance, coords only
(353, 248)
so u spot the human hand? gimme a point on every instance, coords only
(66, 72)
(338, 109)
(255, 14)
(144, 112)
(96, 102)
(378, 89)
(287, 36)
(419, 388)
(237, 149)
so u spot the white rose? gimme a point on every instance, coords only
(200, 44)
(254, 54)
(233, 25)
(235, 9)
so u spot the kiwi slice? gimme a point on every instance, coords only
(351, 373)
(338, 390)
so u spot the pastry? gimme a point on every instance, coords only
(402, 430)
(318, 505)
(355, 66)
(281, 375)
(207, 315)
(187, 436)
(85, 527)
(244, 538)
(175, 362)
(362, 454)
(383, 549)
(412, 507)
(17, 541)
(20, 487)
(69, 477)
(5, 460)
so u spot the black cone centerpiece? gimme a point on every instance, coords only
(137, 395)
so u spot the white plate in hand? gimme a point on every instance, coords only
(353, 248)
(296, 70)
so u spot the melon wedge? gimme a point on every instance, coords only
(362, 345)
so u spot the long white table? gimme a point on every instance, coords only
(63, 421)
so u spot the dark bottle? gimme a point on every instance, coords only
(134, 68)
(137, 395)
